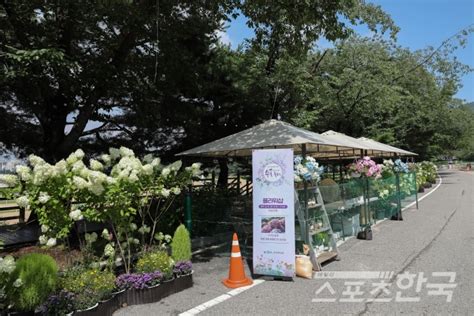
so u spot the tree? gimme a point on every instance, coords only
(67, 64)
(372, 87)
(143, 72)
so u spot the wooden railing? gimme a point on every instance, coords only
(240, 185)
(9, 207)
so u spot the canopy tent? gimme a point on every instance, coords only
(270, 134)
(384, 147)
(278, 134)
(370, 147)
(352, 142)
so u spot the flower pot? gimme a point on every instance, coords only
(18, 313)
(120, 297)
(108, 307)
(86, 311)
(183, 282)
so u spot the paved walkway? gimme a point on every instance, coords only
(439, 237)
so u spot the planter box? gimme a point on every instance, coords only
(137, 297)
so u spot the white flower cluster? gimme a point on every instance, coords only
(76, 215)
(195, 169)
(23, 201)
(49, 242)
(9, 180)
(7, 265)
(23, 172)
(43, 197)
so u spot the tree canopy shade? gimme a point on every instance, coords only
(153, 76)
(135, 69)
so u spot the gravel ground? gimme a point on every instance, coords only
(438, 237)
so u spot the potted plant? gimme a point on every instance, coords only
(59, 304)
(141, 288)
(90, 286)
(156, 261)
(183, 268)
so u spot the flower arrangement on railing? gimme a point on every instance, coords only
(365, 167)
(307, 169)
(400, 167)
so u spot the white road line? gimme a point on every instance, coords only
(427, 194)
(196, 310)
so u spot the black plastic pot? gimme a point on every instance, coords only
(365, 234)
(183, 282)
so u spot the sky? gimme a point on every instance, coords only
(422, 23)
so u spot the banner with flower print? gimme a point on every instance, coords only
(273, 212)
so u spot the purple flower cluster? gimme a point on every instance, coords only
(183, 267)
(138, 280)
(58, 304)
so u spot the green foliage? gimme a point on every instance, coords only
(128, 193)
(32, 281)
(155, 261)
(88, 285)
(181, 244)
(7, 266)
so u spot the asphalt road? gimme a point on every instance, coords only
(436, 240)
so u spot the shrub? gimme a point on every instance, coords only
(58, 304)
(32, 281)
(89, 285)
(156, 261)
(181, 244)
(138, 281)
(182, 268)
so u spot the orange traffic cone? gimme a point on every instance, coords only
(237, 276)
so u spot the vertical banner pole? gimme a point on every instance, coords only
(273, 212)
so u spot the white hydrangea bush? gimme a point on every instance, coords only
(117, 188)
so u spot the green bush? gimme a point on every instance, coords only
(89, 285)
(154, 261)
(181, 244)
(32, 281)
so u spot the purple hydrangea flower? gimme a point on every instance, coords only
(183, 267)
(138, 280)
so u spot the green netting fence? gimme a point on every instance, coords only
(358, 203)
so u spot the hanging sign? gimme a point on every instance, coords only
(273, 212)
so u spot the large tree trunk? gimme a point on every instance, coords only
(223, 174)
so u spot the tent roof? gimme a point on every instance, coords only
(345, 139)
(382, 146)
(371, 147)
(269, 134)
